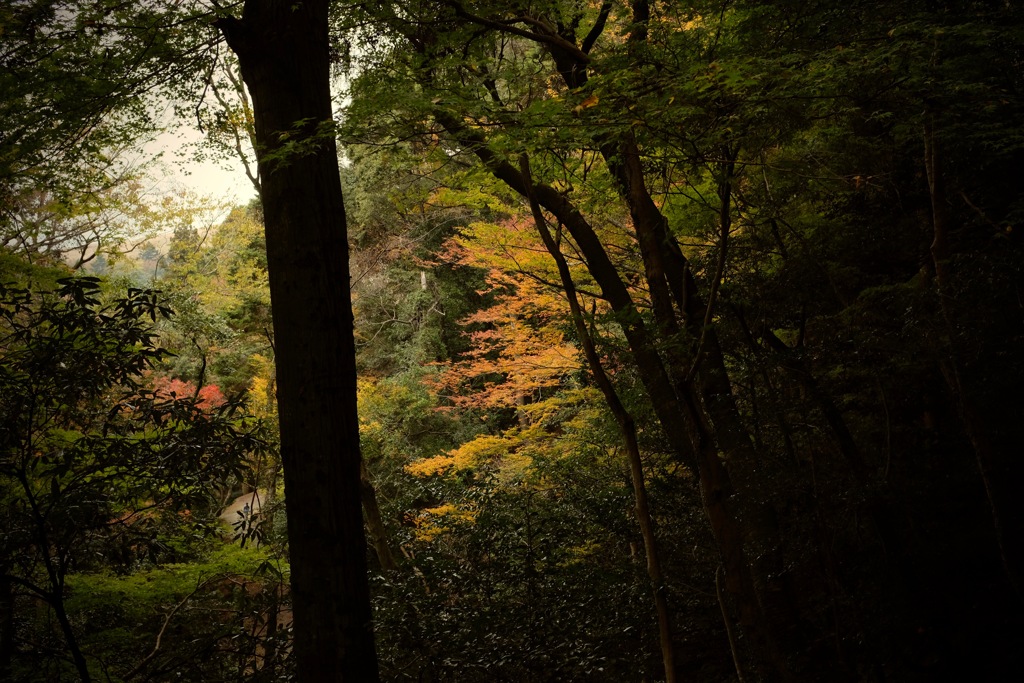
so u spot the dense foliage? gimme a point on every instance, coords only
(687, 338)
(100, 472)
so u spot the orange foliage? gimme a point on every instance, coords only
(521, 348)
(208, 398)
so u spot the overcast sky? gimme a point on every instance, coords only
(224, 180)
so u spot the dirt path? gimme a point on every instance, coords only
(253, 500)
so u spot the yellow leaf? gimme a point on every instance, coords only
(591, 101)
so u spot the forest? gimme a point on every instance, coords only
(561, 340)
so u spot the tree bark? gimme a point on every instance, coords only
(375, 522)
(682, 315)
(283, 51)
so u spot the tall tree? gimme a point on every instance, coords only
(284, 54)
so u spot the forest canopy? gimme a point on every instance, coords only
(564, 340)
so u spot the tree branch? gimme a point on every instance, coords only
(550, 40)
(597, 29)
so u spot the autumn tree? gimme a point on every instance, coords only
(792, 235)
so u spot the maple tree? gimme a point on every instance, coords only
(695, 406)
(207, 397)
(518, 343)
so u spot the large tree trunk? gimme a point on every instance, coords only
(282, 47)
